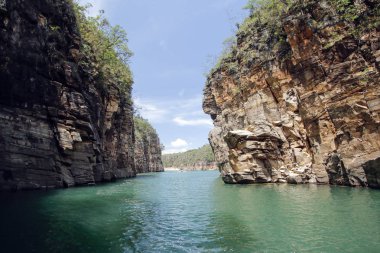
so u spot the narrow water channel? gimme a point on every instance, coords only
(191, 212)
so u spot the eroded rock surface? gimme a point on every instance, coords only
(58, 126)
(304, 109)
(147, 150)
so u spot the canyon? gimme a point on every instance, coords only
(297, 100)
(294, 99)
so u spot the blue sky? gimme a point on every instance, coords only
(174, 43)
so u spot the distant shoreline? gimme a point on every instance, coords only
(177, 169)
(171, 169)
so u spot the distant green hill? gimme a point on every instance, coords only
(195, 159)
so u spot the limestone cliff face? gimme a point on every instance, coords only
(58, 127)
(147, 147)
(304, 109)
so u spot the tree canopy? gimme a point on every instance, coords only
(189, 158)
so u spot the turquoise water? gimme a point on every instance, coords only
(191, 212)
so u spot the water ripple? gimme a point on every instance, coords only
(191, 212)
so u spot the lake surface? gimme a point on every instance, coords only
(191, 212)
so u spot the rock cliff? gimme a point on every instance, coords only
(61, 123)
(299, 101)
(147, 148)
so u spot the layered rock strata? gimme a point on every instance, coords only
(148, 153)
(302, 106)
(58, 127)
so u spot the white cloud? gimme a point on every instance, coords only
(163, 110)
(194, 102)
(181, 112)
(152, 112)
(177, 146)
(192, 122)
(174, 151)
(179, 143)
(194, 113)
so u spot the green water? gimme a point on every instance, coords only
(191, 212)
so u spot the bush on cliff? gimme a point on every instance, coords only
(142, 127)
(266, 12)
(264, 36)
(107, 46)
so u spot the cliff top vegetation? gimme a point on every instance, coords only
(268, 15)
(106, 45)
(142, 127)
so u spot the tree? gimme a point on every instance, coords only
(107, 44)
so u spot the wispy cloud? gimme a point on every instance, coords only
(182, 112)
(192, 122)
(171, 116)
(154, 113)
(191, 102)
(177, 146)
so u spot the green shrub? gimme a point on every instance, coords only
(262, 12)
(266, 12)
(142, 127)
(106, 44)
(229, 45)
(347, 9)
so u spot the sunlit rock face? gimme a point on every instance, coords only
(58, 127)
(304, 110)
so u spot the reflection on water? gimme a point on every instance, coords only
(191, 212)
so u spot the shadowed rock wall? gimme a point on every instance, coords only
(58, 127)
